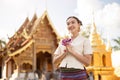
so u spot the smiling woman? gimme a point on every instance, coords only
(73, 53)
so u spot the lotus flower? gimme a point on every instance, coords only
(66, 41)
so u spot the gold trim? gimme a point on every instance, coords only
(22, 49)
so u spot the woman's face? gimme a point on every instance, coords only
(73, 26)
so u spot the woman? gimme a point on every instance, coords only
(74, 53)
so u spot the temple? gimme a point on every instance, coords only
(30, 52)
(30, 49)
(101, 65)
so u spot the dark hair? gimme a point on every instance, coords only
(79, 21)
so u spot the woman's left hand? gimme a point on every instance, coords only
(69, 48)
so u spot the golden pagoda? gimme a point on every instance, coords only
(101, 65)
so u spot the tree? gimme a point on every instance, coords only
(117, 46)
(86, 31)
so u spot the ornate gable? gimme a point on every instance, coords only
(39, 30)
(44, 34)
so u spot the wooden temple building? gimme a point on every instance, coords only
(30, 50)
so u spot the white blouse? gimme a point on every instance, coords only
(81, 45)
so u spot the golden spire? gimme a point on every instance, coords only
(46, 5)
(108, 47)
(93, 30)
(95, 38)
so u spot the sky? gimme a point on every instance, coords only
(106, 15)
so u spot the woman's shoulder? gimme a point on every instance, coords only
(83, 37)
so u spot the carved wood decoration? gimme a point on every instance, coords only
(26, 57)
(44, 37)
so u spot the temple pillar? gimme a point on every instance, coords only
(96, 77)
(18, 68)
(34, 57)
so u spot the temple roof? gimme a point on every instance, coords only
(96, 40)
(24, 34)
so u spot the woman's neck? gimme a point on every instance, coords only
(75, 35)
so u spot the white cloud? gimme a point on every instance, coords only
(107, 16)
(85, 9)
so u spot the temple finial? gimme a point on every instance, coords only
(45, 4)
(93, 30)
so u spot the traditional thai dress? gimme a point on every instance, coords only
(70, 67)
